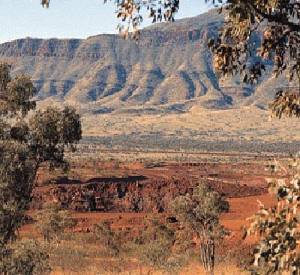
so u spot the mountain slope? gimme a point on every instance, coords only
(170, 64)
(153, 85)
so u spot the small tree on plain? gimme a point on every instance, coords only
(199, 214)
(52, 222)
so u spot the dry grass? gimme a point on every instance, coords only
(81, 254)
(193, 269)
(250, 123)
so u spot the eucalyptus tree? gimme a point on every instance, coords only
(199, 214)
(277, 251)
(28, 139)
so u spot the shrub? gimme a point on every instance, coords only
(52, 222)
(108, 238)
(154, 247)
(25, 257)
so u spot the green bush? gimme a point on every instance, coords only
(52, 222)
(25, 257)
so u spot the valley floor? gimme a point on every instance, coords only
(241, 178)
(245, 129)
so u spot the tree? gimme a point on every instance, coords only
(27, 139)
(155, 245)
(278, 227)
(233, 49)
(52, 222)
(51, 131)
(235, 52)
(199, 214)
(16, 178)
(25, 257)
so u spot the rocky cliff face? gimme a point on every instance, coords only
(169, 68)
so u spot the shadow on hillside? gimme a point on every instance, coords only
(112, 180)
(129, 179)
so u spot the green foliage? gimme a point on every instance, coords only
(52, 130)
(199, 214)
(16, 183)
(278, 227)
(156, 230)
(52, 222)
(25, 257)
(24, 145)
(200, 211)
(233, 48)
(154, 247)
(16, 98)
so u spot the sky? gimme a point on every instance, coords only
(68, 18)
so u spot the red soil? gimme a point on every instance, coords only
(242, 183)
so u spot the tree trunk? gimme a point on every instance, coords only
(207, 254)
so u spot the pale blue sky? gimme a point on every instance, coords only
(67, 18)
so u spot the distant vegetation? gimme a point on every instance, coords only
(164, 143)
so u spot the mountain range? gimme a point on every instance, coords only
(168, 71)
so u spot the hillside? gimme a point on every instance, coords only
(153, 85)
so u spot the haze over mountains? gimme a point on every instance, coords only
(163, 77)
